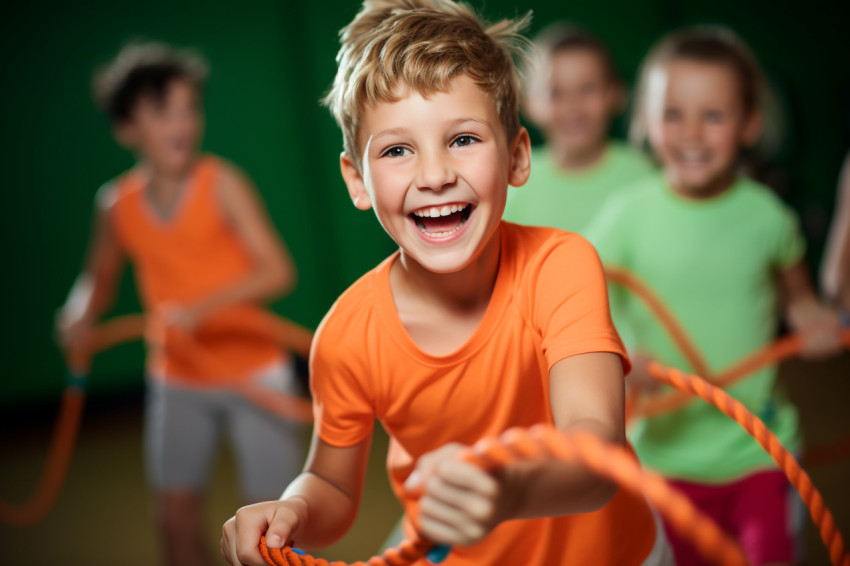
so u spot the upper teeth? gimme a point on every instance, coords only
(435, 211)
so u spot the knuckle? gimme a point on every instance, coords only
(433, 483)
(481, 510)
(474, 532)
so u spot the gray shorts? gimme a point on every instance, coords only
(184, 425)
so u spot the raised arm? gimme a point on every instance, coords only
(93, 291)
(316, 509)
(273, 272)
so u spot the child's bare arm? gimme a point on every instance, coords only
(273, 272)
(93, 292)
(316, 509)
(461, 503)
(818, 324)
(587, 395)
(835, 272)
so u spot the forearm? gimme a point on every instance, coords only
(799, 299)
(326, 511)
(555, 488)
(264, 285)
(88, 299)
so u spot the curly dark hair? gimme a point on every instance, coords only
(144, 69)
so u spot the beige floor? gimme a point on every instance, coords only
(102, 515)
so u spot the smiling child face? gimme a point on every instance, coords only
(436, 171)
(698, 125)
(167, 130)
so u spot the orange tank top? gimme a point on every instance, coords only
(183, 259)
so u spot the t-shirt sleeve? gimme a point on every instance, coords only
(790, 246)
(570, 307)
(342, 405)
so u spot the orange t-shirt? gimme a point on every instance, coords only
(549, 302)
(184, 259)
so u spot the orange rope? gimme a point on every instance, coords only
(798, 477)
(610, 461)
(782, 349)
(284, 332)
(663, 314)
(55, 469)
(127, 328)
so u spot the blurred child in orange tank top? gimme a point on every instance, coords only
(205, 255)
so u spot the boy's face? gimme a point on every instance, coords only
(575, 101)
(165, 132)
(697, 124)
(436, 171)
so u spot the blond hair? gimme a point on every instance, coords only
(423, 45)
(717, 45)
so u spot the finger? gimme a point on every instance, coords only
(462, 506)
(451, 534)
(468, 477)
(427, 465)
(249, 525)
(228, 552)
(282, 526)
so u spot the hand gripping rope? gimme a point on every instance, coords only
(125, 329)
(607, 460)
(615, 464)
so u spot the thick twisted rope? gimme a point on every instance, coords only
(55, 469)
(798, 477)
(126, 329)
(611, 462)
(780, 350)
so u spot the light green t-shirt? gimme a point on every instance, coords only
(568, 201)
(714, 263)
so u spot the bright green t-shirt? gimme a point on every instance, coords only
(714, 263)
(568, 201)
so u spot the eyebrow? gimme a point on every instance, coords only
(453, 123)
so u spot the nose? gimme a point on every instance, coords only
(692, 129)
(436, 172)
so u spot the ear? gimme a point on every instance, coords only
(124, 133)
(354, 181)
(617, 97)
(752, 128)
(520, 159)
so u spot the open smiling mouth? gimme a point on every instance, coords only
(441, 221)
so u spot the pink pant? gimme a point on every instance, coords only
(754, 510)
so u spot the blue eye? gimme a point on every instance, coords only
(463, 141)
(396, 151)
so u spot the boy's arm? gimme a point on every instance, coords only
(273, 272)
(587, 395)
(835, 270)
(93, 292)
(316, 509)
(462, 503)
(818, 324)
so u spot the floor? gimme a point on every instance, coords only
(102, 516)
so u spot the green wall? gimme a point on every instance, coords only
(271, 61)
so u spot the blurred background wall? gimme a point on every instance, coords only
(271, 61)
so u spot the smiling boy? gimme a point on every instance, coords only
(474, 326)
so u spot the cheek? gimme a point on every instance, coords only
(659, 135)
(599, 108)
